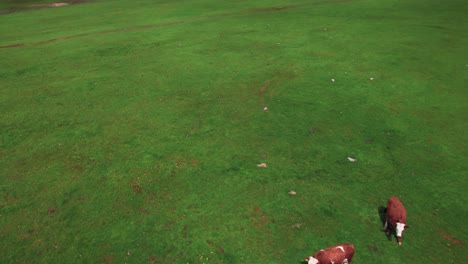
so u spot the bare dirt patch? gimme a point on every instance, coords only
(270, 9)
(136, 186)
(40, 6)
(449, 237)
(259, 218)
(262, 94)
(12, 46)
(58, 4)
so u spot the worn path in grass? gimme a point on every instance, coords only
(131, 28)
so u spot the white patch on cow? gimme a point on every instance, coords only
(345, 261)
(340, 247)
(312, 260)
(399, 229)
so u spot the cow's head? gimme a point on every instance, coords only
(400, 227)
(311, 260)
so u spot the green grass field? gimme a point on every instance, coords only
(130, 131)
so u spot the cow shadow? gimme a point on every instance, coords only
(382, 211)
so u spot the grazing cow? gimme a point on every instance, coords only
(395, 218)
(339, 254)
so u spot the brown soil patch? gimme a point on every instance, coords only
(220, 248)
(40, 6)
(108, 259)
(136, 186)
(270, 9)
(58, 4)
(449, 237)
(153, 259)
(184, 233)
(373, 248)
(12, 46)
(260, 218)
(262, 94)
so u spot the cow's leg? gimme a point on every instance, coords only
(388, 228)
(345, 261)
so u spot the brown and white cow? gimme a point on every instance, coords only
(339, 254)
(395, 218)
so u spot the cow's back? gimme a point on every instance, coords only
(396, 212)
(336, 254)
(349, 248)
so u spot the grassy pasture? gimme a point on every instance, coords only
(130, 131)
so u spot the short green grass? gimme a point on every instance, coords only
(131, 130)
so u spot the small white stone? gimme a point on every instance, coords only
(351, 159)
(371, 78)
(266, 108)
(333, 80)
